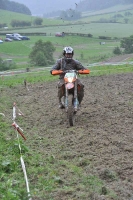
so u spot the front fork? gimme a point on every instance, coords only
(66, 98)
(75, 102)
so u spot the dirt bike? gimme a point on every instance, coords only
(70, 99)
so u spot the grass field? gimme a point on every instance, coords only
(108, 12)
(87, 50)
(96, 29)
(120, 29)
(7, 17)
(44, 75)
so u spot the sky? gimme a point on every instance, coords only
(40, 7)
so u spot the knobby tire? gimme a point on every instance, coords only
(70, 112)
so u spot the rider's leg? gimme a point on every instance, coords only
(61, 90)
(80, 92)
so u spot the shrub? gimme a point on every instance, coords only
(117, 51)
(17, 23)
(40, 59)
(5, 65)
(38, 21)
(127, 44)
(42, 53)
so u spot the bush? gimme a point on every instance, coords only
(17, 23)
(127, 44)
(5, 65)
(40, 59)
(117, 51)
(38, 21)
(42, 53)
(90, 35)
(104, 37)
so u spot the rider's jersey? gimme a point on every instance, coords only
(64, 64)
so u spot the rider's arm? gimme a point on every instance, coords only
(57, 66)
(79, 65)
(81, 69)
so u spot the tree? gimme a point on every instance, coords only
(126, 20)
(40, 59)
(14, 7)
(117, 51)
(38, 21)
(70, 15)
(128, 14)
(3, 25)
(127, 44)
(5, 65)
(42, 53)
(89, 5)
(2, 4)
(17, 23)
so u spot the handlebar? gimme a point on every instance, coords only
(81, 71)
(84, 71)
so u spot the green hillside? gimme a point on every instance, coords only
(110, 14)
(87, 49)
(7, 17)
(89, 17)
(113, 30)
(117, 8)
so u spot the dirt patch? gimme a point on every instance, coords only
(120, 58)
(101, 141)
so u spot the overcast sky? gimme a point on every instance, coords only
(44, 6)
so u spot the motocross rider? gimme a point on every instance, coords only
(68, 63)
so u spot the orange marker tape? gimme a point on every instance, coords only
(18, 129)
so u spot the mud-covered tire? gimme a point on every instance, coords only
(63, 101)
(70, 112)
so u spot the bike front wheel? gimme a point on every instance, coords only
(70, 112)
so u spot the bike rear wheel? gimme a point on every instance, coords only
(70, 112)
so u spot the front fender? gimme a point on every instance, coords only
(69, 85)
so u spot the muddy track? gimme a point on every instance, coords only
(102, 135)
(120, 58)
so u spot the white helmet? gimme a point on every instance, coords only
(68, 50)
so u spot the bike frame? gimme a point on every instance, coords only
(70, 79)
(70, 100)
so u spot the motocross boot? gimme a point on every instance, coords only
(60, 95)
(80, 95)
(61, 106)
